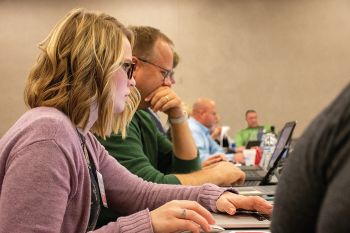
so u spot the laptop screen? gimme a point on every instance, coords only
(286, 152)
(281, 144)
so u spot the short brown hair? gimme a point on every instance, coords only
(249, 111)
(146, 38)
(75, 67)
(176, 59)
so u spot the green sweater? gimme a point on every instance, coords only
(146, 153)
(241, 137)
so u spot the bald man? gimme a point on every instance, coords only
(203, 118)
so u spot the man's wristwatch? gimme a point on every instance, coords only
(179, 120)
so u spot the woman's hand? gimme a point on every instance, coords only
(167, 218)
(229, 202)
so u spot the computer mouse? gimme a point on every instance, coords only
(214, 228)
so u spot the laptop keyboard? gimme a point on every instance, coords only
(266, 189)
(261, 216)
(249, 183)
(257, 174)
(267, 216)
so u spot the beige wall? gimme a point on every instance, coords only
(285, 59)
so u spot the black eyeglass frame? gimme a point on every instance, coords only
(167, 72)
(129, 69)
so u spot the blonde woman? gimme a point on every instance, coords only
(51, 165)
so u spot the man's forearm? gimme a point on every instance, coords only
(183, 143)
(223, 173)
(200, 177)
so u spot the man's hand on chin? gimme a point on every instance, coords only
(164, 99)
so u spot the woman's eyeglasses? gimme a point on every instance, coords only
(129, 69)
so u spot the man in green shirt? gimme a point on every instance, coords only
(146, 152)
(251, 132)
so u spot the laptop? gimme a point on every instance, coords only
(264, 189)
(251, 144)
(244, 219)
(261, 177)
(257, 167)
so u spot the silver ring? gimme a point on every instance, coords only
(183, 213)
(167, 98)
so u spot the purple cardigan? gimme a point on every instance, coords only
(45, 183)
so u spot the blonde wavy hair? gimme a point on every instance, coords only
(75, 67)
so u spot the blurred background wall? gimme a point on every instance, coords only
(287, 59)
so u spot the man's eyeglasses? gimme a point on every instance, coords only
(129, 69)
(172, 76)
(167, 72)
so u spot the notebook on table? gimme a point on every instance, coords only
(261, 177)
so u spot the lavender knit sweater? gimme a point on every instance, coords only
(45, 183)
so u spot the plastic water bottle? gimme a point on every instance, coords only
(231, 143)
(270, 141)
(262, 139)
(273, 130)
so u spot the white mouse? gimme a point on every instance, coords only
(214, 228)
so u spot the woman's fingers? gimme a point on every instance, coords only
(192, 205)
(184, 225)
(194, 217)
(242, 202)
(256, 203)
(226, 206)
(181, 215)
